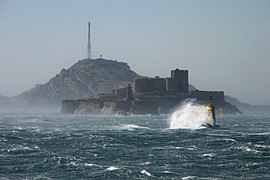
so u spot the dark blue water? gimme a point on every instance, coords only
(56, 146)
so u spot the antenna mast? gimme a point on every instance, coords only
(89, 52)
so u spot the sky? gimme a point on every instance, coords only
(225, 45)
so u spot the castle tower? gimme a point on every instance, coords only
(181, 80)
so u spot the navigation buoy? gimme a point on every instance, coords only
(211, 121)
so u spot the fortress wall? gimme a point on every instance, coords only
(170, 85)
(177, 83)
(157, 84)
(141, 85)
(217, 96)
(144, 85)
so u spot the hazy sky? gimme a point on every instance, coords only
(225, 45)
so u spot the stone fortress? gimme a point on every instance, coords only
(177, 83)
(147, 96)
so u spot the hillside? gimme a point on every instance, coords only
(84, 78)
(234, 101)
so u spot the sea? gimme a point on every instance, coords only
(51, 145)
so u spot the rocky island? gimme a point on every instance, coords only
(102, 86)
(144, 95)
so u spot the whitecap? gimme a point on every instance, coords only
(252, 164)
(36, 129)
(90, 165)
(208, 155)
(21, 148)
(260, 133)
(146, 173)
(248, 149)
(262, 146)
(112, 168)
(132, 127)
(177, 147)
(229, 140)
(73, 163)
(189, 177)
(3, 140)
(145, 163)
(191, 148)
(18, 127)
(167, 172)
(58, 129)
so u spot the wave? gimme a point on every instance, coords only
(112, 168)
(189, 115)
(132, 127)
(146, 173)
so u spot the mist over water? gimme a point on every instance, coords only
(189, 115)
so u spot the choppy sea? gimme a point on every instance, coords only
(57, 146)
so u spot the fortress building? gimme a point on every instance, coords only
(176, 84)
(147, 96)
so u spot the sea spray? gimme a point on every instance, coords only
(189, 115)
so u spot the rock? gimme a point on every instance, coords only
(85, 78)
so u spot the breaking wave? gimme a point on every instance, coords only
(132, 127)
(189, 115)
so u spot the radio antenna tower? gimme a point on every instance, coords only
(89, 52)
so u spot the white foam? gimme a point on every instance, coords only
(208, 155)
(189, 177)
(90, 164)
(248, 149)
(230, 140)
(191, 148)
(146, 173)
(262, 146)
(112, 168)
(20, 148)
(132, 127)
(188, 116)
(145, 163)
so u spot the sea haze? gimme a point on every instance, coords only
(57, 146)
